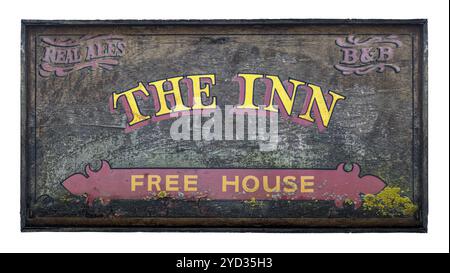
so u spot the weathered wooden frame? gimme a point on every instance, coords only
(230, 224)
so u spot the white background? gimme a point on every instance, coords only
(12, 240)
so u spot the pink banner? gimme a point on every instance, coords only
(336, 185)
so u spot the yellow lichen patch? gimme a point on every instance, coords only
(67, 198)
(389, 202)
(253, 203)
(348, 202)
(162, 194)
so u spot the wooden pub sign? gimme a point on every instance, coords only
(241, 125)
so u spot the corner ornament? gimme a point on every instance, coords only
(364, 55)
(62, 55)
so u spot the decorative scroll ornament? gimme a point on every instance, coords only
(336, 185)
(62, 56)
(364, 55)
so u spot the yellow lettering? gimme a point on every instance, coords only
(305, 184)
(175, 92)
(171, 182)
(135, 183)
(153, 180)
(197, 91)
(234, 183)
(132, 103)
(245, 185)
(290, 181)
(318, 97)
(275, 188)
(249, 80)
(285, 99)
(190, 180)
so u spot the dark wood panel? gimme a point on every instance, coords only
(353, 161)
